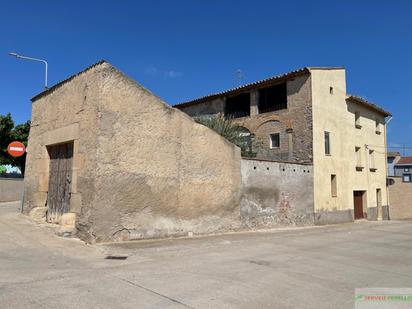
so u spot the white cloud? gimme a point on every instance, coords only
(172, 74)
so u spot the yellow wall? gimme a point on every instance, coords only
(333, 113)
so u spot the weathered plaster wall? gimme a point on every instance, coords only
(141, 169)
(158, 173)
(209, 108)
(68, 114)
(332, 113)
(400, 193)
(11, 189)
(276, 194)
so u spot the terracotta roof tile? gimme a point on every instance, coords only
(236, 90)
(404, 160)
(367, 104)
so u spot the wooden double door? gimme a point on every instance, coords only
(60, 179)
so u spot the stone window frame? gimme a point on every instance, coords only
(271, 140)
(70, 133)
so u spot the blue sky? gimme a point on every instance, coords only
(185, 49)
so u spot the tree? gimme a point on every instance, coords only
(9, 133)
(233, 132)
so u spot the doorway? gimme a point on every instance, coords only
(358, 204)
(60, 179)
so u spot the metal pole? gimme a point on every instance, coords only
(34, 59)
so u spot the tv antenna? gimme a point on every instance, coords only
(239, 77)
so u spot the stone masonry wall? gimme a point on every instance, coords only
(294, 123)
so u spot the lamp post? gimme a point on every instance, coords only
(33, 59)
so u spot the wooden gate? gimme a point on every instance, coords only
(358, 204)
(60, 179)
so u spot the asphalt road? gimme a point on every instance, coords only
(316, 267)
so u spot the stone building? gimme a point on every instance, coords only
(125, 164)
(111, 158)
(306, 116)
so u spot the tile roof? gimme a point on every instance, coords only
(59, 84)
(269, 80)
(404, 161)
(367, 104)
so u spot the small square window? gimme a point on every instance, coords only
(274, 140)
(406, 169)
(406, 178)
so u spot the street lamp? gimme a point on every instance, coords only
(33, 59)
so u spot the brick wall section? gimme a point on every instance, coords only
(293, 123)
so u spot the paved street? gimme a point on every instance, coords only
(316, 267)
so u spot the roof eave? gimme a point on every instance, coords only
(369, 105)
(240, 89)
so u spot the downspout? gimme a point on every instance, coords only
(386, 166)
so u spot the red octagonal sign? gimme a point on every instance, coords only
(16, 149)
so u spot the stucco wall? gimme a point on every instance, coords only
(158, 173)
(276, 194)
(400, 193)
(67, 114)
(332, 113)
(10, 189)
(141, 168)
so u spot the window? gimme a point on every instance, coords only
(357, 120)
(359, 165)
(327, 143)
(372, 166)
(274, 140)
(406, 169)
(406, 178)
(272, 98)
(331, 90)
(378, 126)
(334, 186)
(237, 106)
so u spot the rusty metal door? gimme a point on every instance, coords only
(358, 204)
(60, 179)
